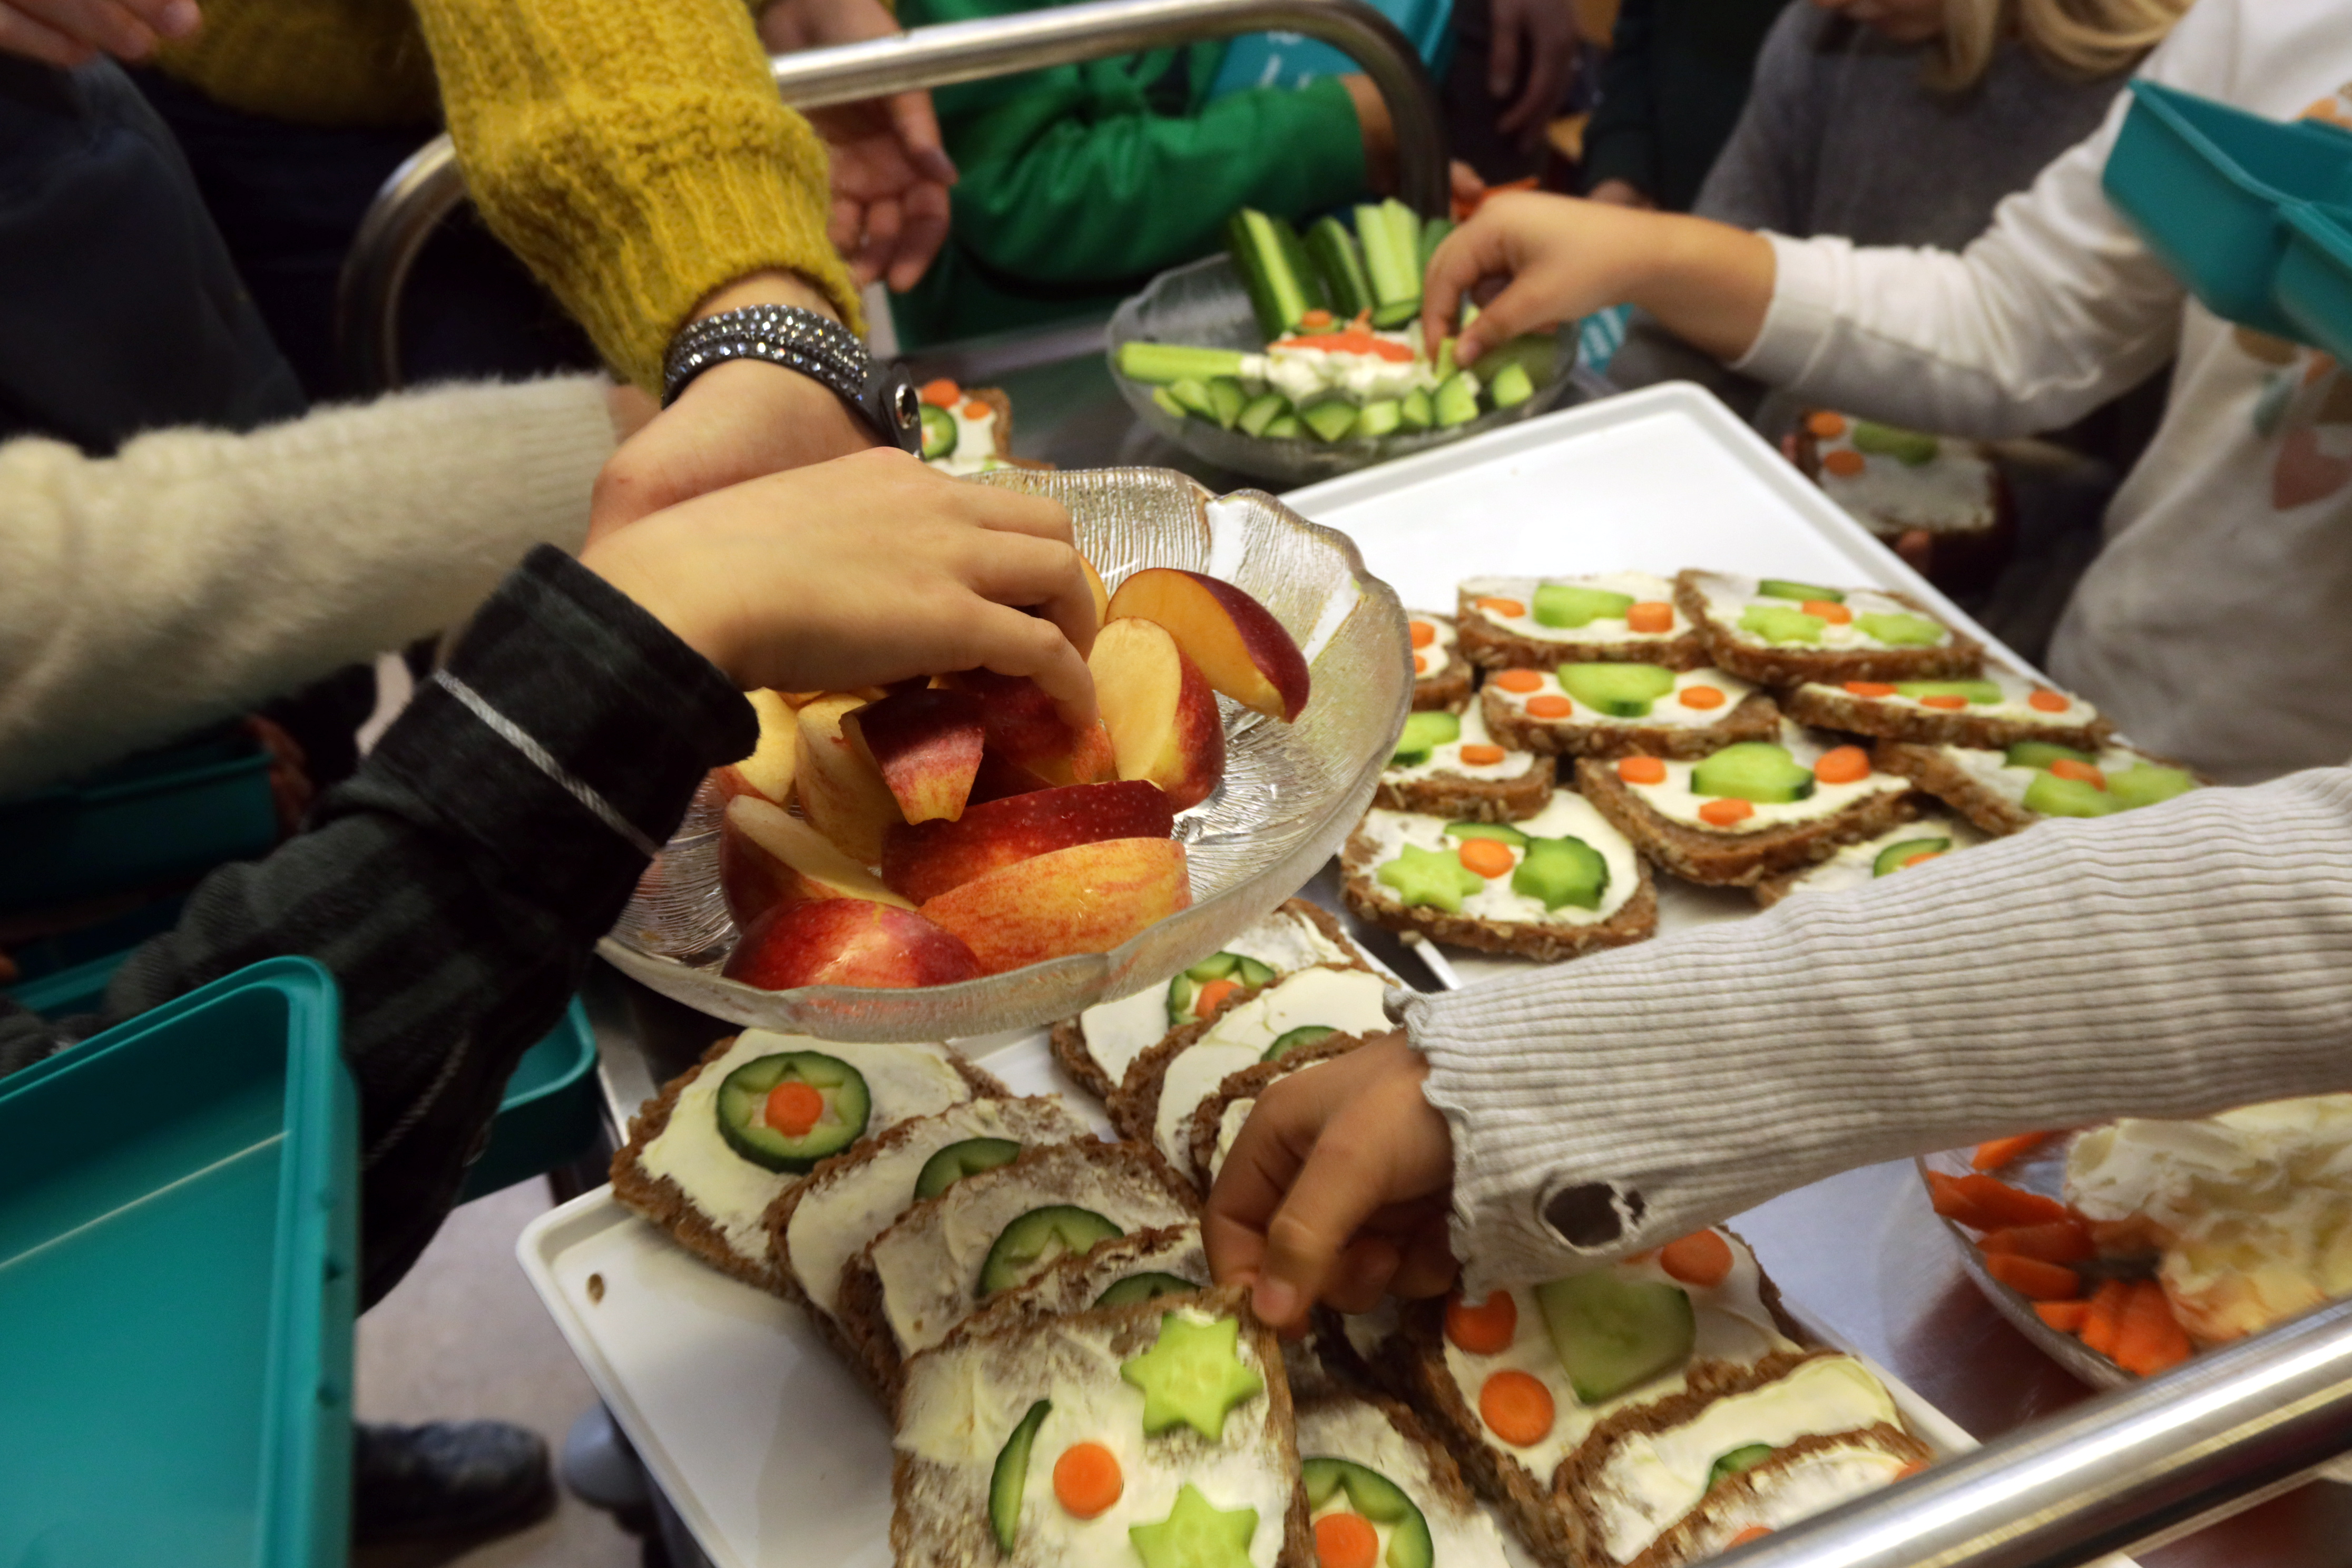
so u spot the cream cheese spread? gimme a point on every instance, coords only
(1357, 1430)
(1447, 759)
(1352, 1001)
(1642, 587)
(1674, 798)
(1669, 711)
(1570, 815)
(1728, 598)
(1438, 657)
(1855, 864)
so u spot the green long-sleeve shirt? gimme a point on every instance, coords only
(1080, 182)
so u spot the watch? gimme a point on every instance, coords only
(882, 394)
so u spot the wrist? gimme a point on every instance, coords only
(775, 287)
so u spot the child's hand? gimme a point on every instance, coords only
(863, 570)
(1336, 1189)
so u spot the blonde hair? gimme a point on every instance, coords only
(2083, 39)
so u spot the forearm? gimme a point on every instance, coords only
(1708, 283)
(2173, 961)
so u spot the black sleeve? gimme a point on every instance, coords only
(1621, 138)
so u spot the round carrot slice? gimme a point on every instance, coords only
(1701, 698)
(942, 393)
(1318, 316)
(1868, 688)
(1479, 756)
(1422, 633)
(1549, 707)
(2045, 700)
(1913, 1468)
(1701, 1258)
(1650, 618)
(1725, 813)
(1486, 857)
(1086, 1479)
(1824, 425)
(1346, 1540)
(976, 409)
(1949, 702)
(1837, 615)
(1487, 1328)
(1517, 1408)
(1910, 860)
(1212, 994)
(1420, 663)
(1521, 681)
(1753, 1532)
(794, 1108)
(1507, 608)
(1641, 770)
(1844, 463)
(1843, 764)
(2081, 772)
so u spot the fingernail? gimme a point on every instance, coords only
(1276, 1300)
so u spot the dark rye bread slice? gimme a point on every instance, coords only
(939, 1517)
(1756, 717)
(1732, 1504)
(1077, 1284)
(1635, 921)
(1723, 859)
(1054, 1174)
(1983, 805)
(1068, 1040)
(664, 1202)
(1461, 799)
(1200, 1141)
(1450, 687)
(1832, 708)
(1443, 1485)
(1784, 666)
(1493, 645)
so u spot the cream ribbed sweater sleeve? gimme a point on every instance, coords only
(2172, 962)
(194, 573)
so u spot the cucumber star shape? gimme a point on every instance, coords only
(1196, 1534)
(1436, 878)
(1192, 1375)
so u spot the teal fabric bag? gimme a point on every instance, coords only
(1293, 59)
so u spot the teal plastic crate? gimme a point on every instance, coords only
(178, 1241)
(2211, 189)
(547, 1117)
(2313, 286)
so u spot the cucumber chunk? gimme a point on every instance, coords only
(1620, 690)
(1390, 236)
(1908, 447)
(2144, 784)
(2042, 753)
(1192, 1375)
(1165, 401)
(968, 1158)
(1381, 416)
(1195, 395)
(1500, 832)
(1263, 410)
(1782, 588)
(1432, 234)
(1457, 399)
(1333, 419)
(1291, 1039)
(1378, 1498)
(2054, 797)
(939, 432)
(1780, 623)
(1510, 387)
(1011, 1477)
(1900, 629)
(1417, 412)
(1424, 734)
(1341, 263)
(1035, 1239)
(1613, 1334)
(1184, 991)
(1747, 1456)
(1286, 427)
(1432, 878)
(1567, 607)
(1760, 771)
(1269, 255)
(1895, 857)
(1562, 871)
(1148, 1286)
(1226, 401)
(1160, 364)
(743, 1104)
(1195, 1534)
(1980, 692)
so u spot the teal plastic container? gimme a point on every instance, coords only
(2313, 286)
(178, 1240)
(2211, 189)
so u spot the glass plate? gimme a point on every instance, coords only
(1291, 794)
(1203, 302)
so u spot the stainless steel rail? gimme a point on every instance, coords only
(428, 187)
(2133, 1468)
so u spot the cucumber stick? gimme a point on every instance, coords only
(1267, 252)
(1226, 400)
(1390, 235)
(1160, 364)
(1457, 399)
(1331, 420)
(1340, 262)
(1263, 411)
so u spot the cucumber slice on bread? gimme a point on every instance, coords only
(1184, 991)
(1611, 1334)
(1561, 871)
(1747, 1456)
(1192, 1375)
(772, 1130)
(1378, 1498)
(2054, 796)
(1037, 1238)
(1148, 1286)
(2042, 753)
(939, 432)
(1568, 605)
(1782, 624)
(1759, 771)
(1291, 1039)
(1895, 857)
(1899, 629)
(1784, 588)
(1424, 734)
(1011, 1476)
(968, 1157)
(1620, 690)
(1500, 832)
(1978, 691)
(2144, 784)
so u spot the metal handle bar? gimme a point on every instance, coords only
(427, 187)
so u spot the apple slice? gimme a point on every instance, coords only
(927, 859)
(1101, 593)
(840, 788)
(847, 941)
(1023, 729)
(997, 779)
(767, 773)
(1236, 640)
(1086, 899)
(1162, 716)
(769, 857)
(928, 744)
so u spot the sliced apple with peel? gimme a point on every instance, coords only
(1101, 593)
(1086, 899)
(998, 779)
(1162, 715)
(928, 746)
(848, 942)
(926, 860)
(1024, 730)
(768, 771)
(841, 790)
(768, 857)
(1236, 640)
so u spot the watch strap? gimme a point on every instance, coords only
(882, 394)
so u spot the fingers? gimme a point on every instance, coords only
(1461, 260)
(1503, 52)
(925, 231)
(1540, 92)
(1042, 574)
(20, 35)
(917, 125)
(100, 24)
(843, 225)
(879, 247)
(1010, 642)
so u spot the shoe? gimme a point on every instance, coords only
(445, 1479)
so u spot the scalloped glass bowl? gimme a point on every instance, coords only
(1291, 794)
(1203, 302)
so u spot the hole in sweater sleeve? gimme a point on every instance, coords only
(1591, 1216)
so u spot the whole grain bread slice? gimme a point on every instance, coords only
(664, 1202)
(1208, 1119)
(1732, 1505)
(1490, 644)
(1550, 942)
(1784, 666)
(1438, 1490)
(1450, 687)
(1466, 799)
(1756, 717)
(1833, 708)
(1726, 860)
(1935, 771)
(1077, 1284)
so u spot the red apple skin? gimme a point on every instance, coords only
(767, 773)
(1086, 899)
(848, 942)
(921, 862)
(1023, 729)
(928, 744)
(998, 779)
(1158, 709)
(1238, 644)
(841, 790)
(767, 858)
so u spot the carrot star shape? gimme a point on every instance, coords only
(1192, 1375)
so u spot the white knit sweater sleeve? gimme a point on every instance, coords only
(2171, 962)
(194, 573)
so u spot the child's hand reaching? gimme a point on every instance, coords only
(1336, 1190)
(863, 570)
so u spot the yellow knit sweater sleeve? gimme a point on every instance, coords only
(637, 157)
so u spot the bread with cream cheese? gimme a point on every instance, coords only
(1728, 858)
(1968, 779)
(1209, 1136)
(1889, 717)
(1778, 665)
(1077, 1284)
(1492, 642)
(1442, 674)
(1584, 734)
(1449, 785)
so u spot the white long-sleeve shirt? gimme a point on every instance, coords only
(2216, 624)
(194, 573)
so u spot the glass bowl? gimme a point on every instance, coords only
(1290, 793)
(1203, 302)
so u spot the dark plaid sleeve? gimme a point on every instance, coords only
(456, 886)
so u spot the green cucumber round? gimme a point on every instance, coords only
(1037, 1238)
(1759, 771)
(743, 1104)
(1500, 832)
(1612, 1334)
(969, 1158)
(1148, 1286)
(1895, 857)
(1291, 1039)
(1184, 991)
(939, 433)
(1747, 1456)
(1011, 1476)
(1378, 1498)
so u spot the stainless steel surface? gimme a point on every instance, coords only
(428, 187)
